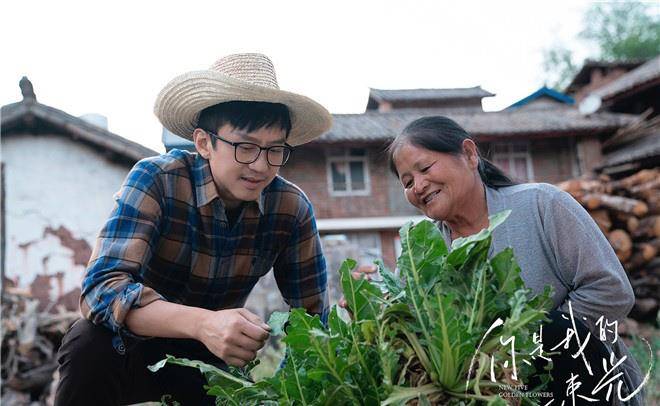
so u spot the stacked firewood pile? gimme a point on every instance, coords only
(628, 212)
(30, 340)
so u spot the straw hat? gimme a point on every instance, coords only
(238, 77)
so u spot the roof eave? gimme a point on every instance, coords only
(81, 129)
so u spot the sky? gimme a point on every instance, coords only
(112, 58)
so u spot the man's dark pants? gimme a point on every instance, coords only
(92, 372)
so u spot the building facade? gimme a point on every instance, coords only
(59, 174)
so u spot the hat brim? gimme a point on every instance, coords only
(180, 102)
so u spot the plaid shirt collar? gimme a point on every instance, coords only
(206, 191)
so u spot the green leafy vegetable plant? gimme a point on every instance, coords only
(425, 336)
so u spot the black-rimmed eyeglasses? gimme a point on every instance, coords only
(248, 152)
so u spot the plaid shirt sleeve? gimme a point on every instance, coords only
(300, 270)
(112, 282)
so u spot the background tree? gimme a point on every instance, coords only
(628, 30)
(558, 67)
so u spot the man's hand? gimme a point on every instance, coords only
(362, 271)
(234, 335)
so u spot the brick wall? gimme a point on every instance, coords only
(553, 159)
(308, 169)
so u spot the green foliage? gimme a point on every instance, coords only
(559, 67)
(419, 335)
(276, 322)
(643, 352)
(626, 30)
(623, 30)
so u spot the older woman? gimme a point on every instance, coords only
(554, 240)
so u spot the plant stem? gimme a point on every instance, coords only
(295, 373)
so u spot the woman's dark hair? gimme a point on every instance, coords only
(245, 115)
(440, 134)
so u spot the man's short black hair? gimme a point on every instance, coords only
(246, 116)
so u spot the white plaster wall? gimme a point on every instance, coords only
(53, 181)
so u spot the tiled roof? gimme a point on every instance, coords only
(648, 72)
(541, 93)
(17, 116)
(584, 75)
(375, 126)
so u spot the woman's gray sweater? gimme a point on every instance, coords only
(557, 243)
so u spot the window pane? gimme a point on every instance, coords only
(358, 152)
(338, 176)
(358, 181)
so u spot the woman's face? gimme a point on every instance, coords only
(439, 184)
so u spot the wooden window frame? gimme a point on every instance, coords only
(346, 158)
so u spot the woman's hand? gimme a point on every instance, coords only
(368, 272)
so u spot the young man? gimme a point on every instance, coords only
(189, 237)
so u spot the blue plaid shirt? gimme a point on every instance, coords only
(168, 238)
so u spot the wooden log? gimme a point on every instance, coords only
(602, 218)
(569, 186)
(653, 203)
(646, 195)
(647, 250)
(643, 188)
(642, 254)
(648, 227)
(578, 186)
(655, 243)
(590, 201)
(624, 220)
(632, 206)
(642, 176)
(622, 244)
(620, 216)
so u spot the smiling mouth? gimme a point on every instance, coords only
(252, 183)
(430, 197)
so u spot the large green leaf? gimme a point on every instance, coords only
(393, 284)
(276, 322)
(360, 294)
